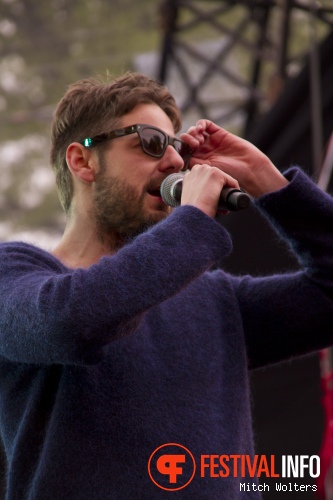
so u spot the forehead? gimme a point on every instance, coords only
(150, 114)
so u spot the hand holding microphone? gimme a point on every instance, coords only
(205, 187)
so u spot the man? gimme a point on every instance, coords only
(122, 340)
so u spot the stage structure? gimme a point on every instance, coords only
(254, 48)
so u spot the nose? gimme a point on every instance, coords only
(171, 160)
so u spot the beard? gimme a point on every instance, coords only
(119, 211)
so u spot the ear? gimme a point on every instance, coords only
(80, 163)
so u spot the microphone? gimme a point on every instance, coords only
(230, 198)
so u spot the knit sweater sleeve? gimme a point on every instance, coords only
(50, 314)
(292, 314)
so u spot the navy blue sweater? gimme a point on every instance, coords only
(100, 366)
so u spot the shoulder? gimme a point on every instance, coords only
(21, 254)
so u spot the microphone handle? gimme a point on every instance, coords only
(231, 199)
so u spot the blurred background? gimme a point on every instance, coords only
(260, 68)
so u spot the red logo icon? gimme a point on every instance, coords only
(171, 467)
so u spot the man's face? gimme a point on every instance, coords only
(126, 196)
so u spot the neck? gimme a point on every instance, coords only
(81, 244)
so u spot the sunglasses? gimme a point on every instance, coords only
(153, 141)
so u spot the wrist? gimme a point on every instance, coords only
(267, 182)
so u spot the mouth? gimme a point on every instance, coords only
(154, 189)
(154, 192)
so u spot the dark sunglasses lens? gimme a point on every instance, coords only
(183, 150)
(153, 142)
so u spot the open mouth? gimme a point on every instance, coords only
(155, 192)
(154, 189)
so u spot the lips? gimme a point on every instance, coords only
(154, 188)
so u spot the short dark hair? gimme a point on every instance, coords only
(93, 105)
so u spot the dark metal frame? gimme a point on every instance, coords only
(257, 13)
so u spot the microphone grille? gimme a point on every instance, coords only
(167, 188)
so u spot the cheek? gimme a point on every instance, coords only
(136, 176)
(130, 166)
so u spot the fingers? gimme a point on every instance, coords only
(202, 187)
(212, 145)
(204, 126)
(208, 126)
(204, 136)
(200, 131)
(193, 137)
